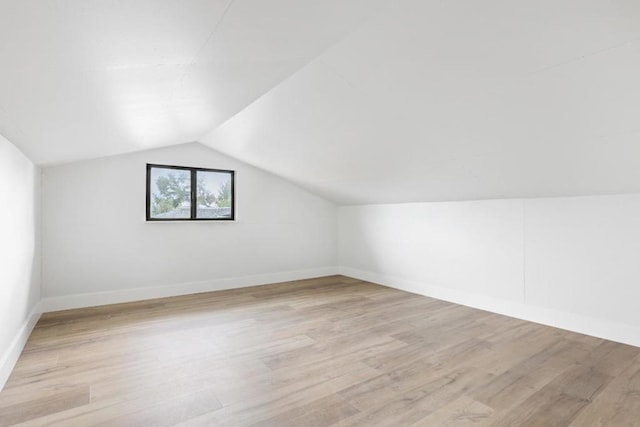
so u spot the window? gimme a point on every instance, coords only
(179, 193)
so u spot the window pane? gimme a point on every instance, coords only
(214, 195)
(170, 193)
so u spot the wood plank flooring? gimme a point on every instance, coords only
(333, 351)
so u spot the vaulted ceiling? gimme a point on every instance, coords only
(360, 101)
(82, 79)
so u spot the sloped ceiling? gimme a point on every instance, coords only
(360, 101)
(461, 99)
(82, 79)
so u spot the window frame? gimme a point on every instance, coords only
(194, 189)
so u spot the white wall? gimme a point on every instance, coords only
(99, 249)
(19, 253)
(568, 262)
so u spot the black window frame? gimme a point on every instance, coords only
(194, 188)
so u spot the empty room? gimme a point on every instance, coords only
(323, 213)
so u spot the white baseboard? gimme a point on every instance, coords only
(10, 357)
(137, 294)
(600, 328)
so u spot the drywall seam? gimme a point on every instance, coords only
(67, 302)
(10, 357)
(41, 232)
(613, 331)
(524, 251)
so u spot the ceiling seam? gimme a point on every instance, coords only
(200, 49)
(585, 56)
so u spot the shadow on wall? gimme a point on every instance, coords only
(33, 259)
(20, 244)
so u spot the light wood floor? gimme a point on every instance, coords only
(323, 352)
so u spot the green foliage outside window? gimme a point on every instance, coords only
(175, 189)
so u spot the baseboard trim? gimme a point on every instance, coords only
(599, 328)
(68, 302)
(10, 357)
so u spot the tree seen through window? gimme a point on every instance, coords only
(169, 193)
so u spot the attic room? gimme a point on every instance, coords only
(319, 213)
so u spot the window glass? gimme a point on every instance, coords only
(176, 193)
(170, 193)
(214, 194)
